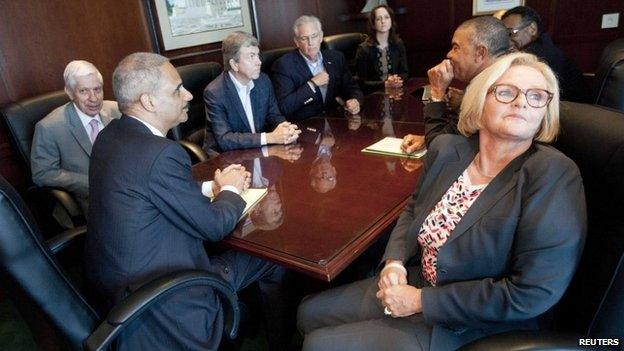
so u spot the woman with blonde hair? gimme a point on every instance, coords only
(490, 239)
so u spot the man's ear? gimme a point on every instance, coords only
(147, 102)
(69, 93)
(533, 30)
(481, 53)
(233, 65)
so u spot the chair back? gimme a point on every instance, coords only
(609, 79)
(20, 118)
(195, 78)
(269, 56)
(608, 322)
(347, 43)
(30, 270)
(593, 137)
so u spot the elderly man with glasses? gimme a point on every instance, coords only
(309, 81)
(527, 34)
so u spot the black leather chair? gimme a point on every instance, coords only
(269, 56)
(347, 43)
(593, 307)
(609, 78)
(19, 119)
(190, 134)
(31, 273)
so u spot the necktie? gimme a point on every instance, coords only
(94, 129)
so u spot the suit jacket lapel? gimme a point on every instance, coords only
(449, 173)
(330, 67)
(77, 129)
(255, 107)
(502, 184)
(232, 94)
(305, 70)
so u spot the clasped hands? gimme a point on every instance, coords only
(234, 175)
(290, 153)
(393, 81)
(396, 295)
(284, 133)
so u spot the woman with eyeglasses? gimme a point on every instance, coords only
(381, 59)
(490, 239)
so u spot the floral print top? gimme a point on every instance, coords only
(439, 224)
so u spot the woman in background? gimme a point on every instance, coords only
(381, 59)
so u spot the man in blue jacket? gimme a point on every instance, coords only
(240, 103)
(309, 81)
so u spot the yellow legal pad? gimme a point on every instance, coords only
(251, 196)
(390, 146)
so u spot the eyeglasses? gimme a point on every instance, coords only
(506, 94)
(310, 38)
(514, 31)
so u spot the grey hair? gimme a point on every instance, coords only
(232, 45)
(305, 20)
(489, 32)
(136, 74)
(79, 68)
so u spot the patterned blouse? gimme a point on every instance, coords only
(384, 62)
(439, 224)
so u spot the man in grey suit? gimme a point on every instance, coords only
(241, 103)
(61, 146)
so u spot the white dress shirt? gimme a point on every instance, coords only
(86, 120)
(206, 187)
(316, 67)
(244, 92)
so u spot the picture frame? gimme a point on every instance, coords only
(181, 24)
(488, 7)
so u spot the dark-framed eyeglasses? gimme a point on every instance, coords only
(514, 31)
(507, 93)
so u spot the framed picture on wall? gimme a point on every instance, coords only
(186, 23)
(487, 7)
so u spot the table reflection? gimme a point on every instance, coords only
(310, 220)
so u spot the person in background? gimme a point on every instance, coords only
(61, 146)
(476, 44)
(527, 34)
(308, 81)
(381, 60)
(240, 102)
(490, 239)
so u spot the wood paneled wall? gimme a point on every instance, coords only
(574, 25)
(38, 38)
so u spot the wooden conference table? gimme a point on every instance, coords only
(327, 201)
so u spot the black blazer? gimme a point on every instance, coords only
(291, 74)
(148, 217)
(514, 252)
(367, 64)
(225, 112)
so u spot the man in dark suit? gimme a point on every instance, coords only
(240, 102)
(62, 142)
(527, 34)
(308, 81)
(148, 217)
(477, 43)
